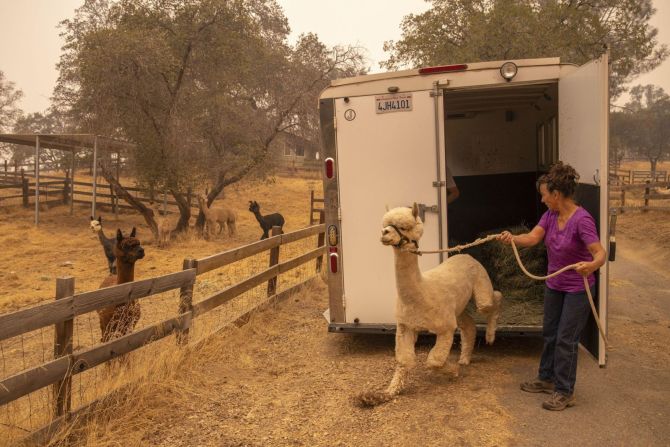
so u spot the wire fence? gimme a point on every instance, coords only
(285, 264)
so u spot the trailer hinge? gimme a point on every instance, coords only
(434, 93)
(438, 184)
(335, 123)
(339, 213)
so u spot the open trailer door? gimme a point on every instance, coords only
(583, 109)
(386, 156)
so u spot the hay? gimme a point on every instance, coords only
(523, 296)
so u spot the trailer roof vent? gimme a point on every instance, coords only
(442, 69)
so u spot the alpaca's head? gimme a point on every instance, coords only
(402, 228)
(254, 207)
(128, 248)
(96, 224)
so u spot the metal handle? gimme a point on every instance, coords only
(596, 177)
(423, 208)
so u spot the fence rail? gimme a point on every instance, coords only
(649, 191)
(61, 313)
(632, 177)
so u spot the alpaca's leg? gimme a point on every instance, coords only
(468, 334)
(483, 292)
(405, 356)
(438, 356)
(492, 317)
(231, 228)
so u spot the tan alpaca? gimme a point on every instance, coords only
(432, 301)
(219, 215)
(163, 224)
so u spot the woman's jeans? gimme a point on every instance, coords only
(565, 315)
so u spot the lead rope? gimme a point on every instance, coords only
(483, 240)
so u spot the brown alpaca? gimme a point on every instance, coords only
(163, 224)
(221, 215)
(120, 320)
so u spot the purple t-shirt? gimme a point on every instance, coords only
(568, 246)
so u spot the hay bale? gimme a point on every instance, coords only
(523, 296)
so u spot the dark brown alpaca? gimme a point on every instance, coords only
(120, 320)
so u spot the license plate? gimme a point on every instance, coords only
(393, 103)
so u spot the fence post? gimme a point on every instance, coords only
(185, 302)
(320, 241)
(646, 196)
(623, 196)
(24, 189)
(311, 207)
(63, 347)
(66, 187)
(274, 260)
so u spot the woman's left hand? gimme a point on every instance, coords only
(585, 268)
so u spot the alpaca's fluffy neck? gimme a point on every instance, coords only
(101, 236)
(407, 274)
(125, 272)
(205, 209)
(259, 217)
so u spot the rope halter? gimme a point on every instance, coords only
(403, 239)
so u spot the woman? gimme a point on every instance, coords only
(570, 235)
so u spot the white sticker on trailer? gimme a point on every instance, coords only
(393, 103)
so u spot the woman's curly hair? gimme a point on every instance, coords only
(562, 178)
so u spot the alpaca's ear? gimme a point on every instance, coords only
(100, 219)
(119, 235)
(133, 233)
(415, 210)
(91, 218)
(387, 208)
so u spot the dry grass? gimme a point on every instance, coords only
(32, 257)
(64, 245)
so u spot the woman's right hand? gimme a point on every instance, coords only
(505, 237)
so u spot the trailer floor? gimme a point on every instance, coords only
(282, 380)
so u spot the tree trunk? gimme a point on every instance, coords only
(653, 162)
(147, 213)
(184, 206)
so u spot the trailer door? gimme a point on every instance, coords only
(386, 152)
(583, 143)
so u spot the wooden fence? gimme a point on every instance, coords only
(56, 190)
(633, 177)
(60, 314)
(639, 196)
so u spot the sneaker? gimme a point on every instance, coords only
(559, 402)
(538, 386)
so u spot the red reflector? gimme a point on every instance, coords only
(330, 167)
(333, 262)
(332, 249)
(442, 69)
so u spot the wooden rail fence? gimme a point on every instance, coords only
(621, 193)
(61, 313)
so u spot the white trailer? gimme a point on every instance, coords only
(388, 138)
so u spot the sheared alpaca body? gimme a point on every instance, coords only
(268, 221)
(116, 321)
(433, 301)
(164, 226)
(221, 216)
(106, 242)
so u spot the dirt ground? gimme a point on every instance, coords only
(283, 380)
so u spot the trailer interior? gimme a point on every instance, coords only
(498, 141)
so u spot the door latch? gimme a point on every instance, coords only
(423, 208)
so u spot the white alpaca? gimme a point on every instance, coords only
(163, 224)
(432, 301)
